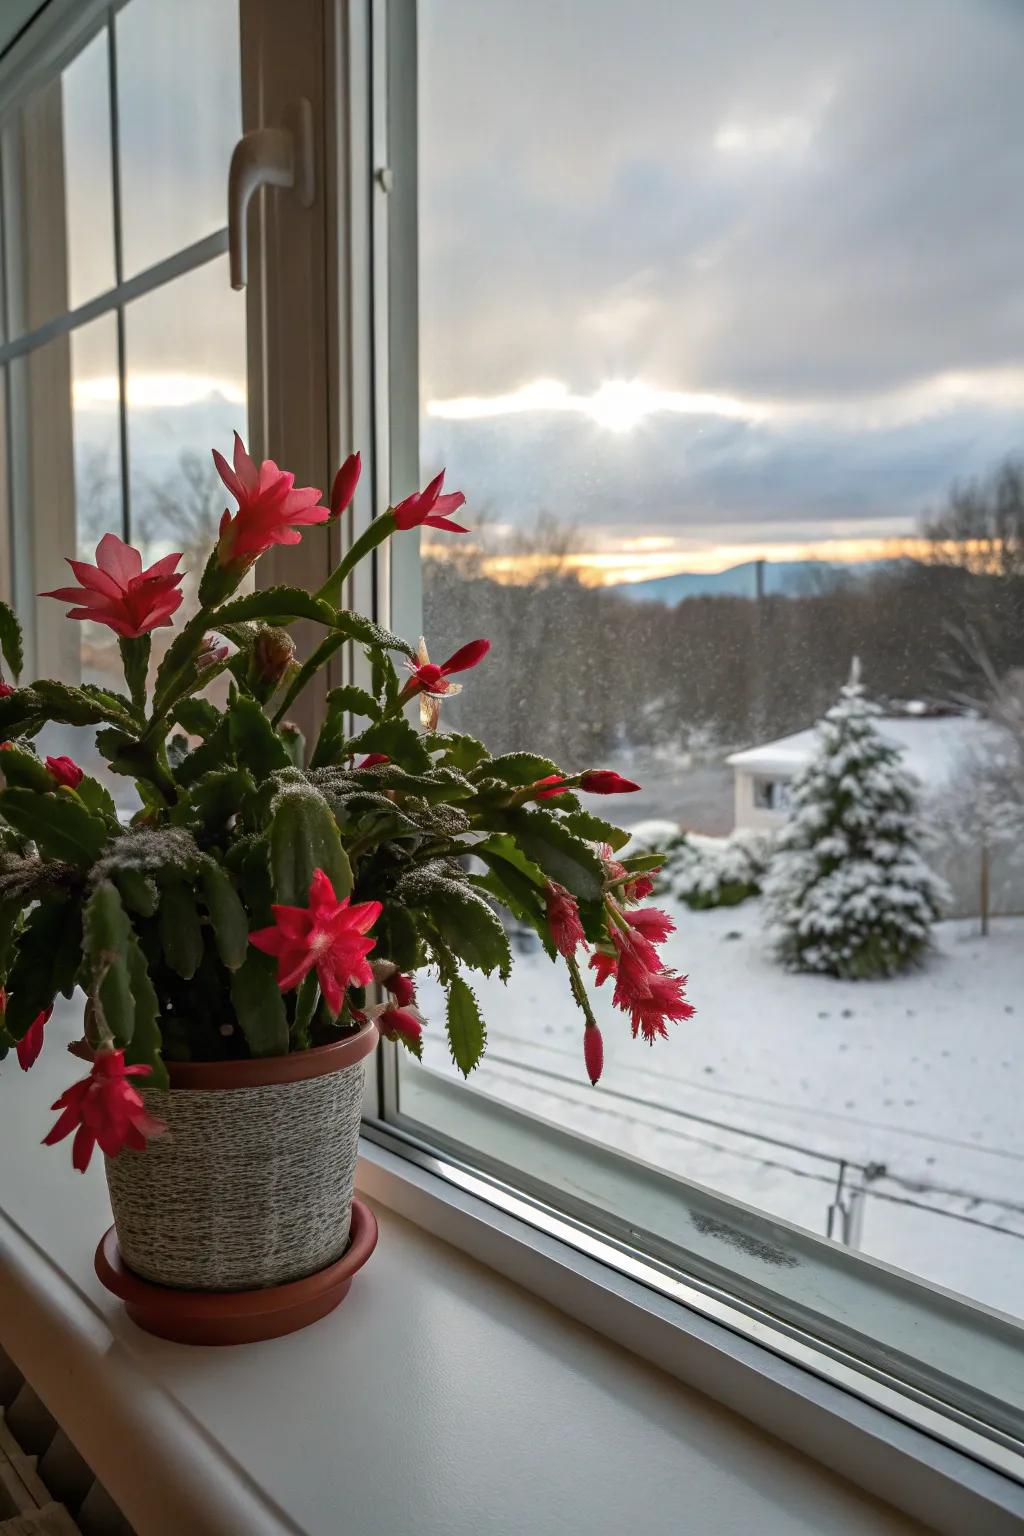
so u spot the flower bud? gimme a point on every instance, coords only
(344, 487)
(65, 771)
(593, 1052)
(214, 651)
(272, 654)
(605, 781)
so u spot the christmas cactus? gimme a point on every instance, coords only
(269, 893)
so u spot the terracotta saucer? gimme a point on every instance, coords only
(236, 1317)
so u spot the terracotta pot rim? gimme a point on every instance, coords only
(236, 1317)
(262, 1071)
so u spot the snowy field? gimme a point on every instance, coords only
(921, 1076)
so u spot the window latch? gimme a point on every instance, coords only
(268, 157)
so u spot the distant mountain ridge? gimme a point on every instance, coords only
(782, 578)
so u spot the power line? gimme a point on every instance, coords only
(875, 1194)
(797, 1109)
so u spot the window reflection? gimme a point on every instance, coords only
(179, 105)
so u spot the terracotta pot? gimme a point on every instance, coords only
(236, 1317)
(251, 1187)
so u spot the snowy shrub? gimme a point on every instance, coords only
(709, 872)
(848, 893)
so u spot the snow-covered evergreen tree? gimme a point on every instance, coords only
(848, 893)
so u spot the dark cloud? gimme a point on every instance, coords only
(794, 201)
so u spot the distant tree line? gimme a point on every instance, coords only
(584, 671)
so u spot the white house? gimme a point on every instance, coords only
(936, 750)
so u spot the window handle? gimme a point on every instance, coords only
(268, 157)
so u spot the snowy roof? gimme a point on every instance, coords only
(932, 746)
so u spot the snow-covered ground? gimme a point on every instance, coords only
(922, 1074)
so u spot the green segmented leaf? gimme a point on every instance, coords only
(143, 1049)
(97, 798)
(259, 1006)
(253, 739)
(228, 917)
(458, 751)
(10, 641)
(22, 769)
(181, 937)
(214, 799)
(639, 863)
(83, 706)
(397, 739)
(463, 918)
(197, 716)
(564, 857)
(341, 702)
(138, 891)
(595, 829)
(519, 768)
(281, 604)
(22, 713)
(397, 937)
(355, 627)
(303, 838)
(49, 954)
(105, 939)
(57, 823)
(467, 1032)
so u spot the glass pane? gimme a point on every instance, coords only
(186, 370)
(57, 155)
(728, 376)
(68, 495)
(179, 114)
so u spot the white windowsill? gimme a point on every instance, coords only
(442, 1396)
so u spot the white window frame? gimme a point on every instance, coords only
(359, 389)
(893, 1436)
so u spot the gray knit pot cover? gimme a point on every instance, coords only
(249, 1187)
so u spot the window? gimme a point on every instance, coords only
(697, 301)
(771, 794)
(126, 346)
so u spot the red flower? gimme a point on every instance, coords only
(429, 508)
(344, 487)
(405, 1024)
(116, 590)
(593, 1052)
(270, 508)
(374, 760)
(644, 988)
(604, 781)
(563, 918)
(328, 934)
(638, 888)
(5, 689)
(665, 1000)
(427, 677)
(402, 988)
(432, 683)
(66, 771)
(31, 1042)
(105, 1108)
(557, 779)
(604, 964)
(652, 923)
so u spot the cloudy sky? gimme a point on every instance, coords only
(708, 280)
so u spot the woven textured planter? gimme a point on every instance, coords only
(252, 1184)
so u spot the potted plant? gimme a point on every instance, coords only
(247, 934)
